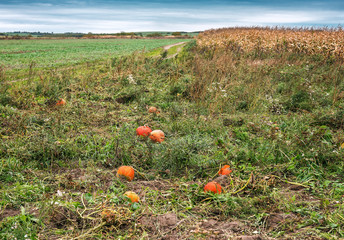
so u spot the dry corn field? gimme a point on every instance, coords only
(328, 42)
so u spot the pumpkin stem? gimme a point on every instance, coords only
(249, 180)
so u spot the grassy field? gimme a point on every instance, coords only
(19, 57)
(275, 116)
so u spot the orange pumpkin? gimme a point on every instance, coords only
(157, 136)
(61, 102)
(143, 131)
(152, 109)
(225, 170)
(132, 196)
(127, 172)
(213, 187)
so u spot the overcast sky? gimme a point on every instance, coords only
(109, 16)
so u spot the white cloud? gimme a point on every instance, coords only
(45, 18)
(43, 4)
(282, 17)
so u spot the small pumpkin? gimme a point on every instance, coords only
(143, 131)
(213, 187)
(126, 172)
(225, 170)
(61, 102)
(157, 136)
(108, 215)
(152, 110)
(132, 196)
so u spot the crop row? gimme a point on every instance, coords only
(328, 42)
(56, 52)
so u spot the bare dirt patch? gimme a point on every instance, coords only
(161, 221)
(218, 230)
(276, 219)
(162, 226)
(139, 186)
(8, 213)
(298, 192)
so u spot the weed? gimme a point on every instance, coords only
(22, 226)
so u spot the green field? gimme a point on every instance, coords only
(276, 117)
(20, 54)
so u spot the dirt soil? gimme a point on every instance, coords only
(172, 45)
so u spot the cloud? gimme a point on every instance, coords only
(282, 17)
(75, 17)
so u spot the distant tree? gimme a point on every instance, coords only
(154, 35)
(16, 37)
(176, 34)
(89, 34)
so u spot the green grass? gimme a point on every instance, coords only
(52, 53)
(276, 119)
(155, 52)
(173, 50)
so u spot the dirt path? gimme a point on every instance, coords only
(180, 44)
(172, 45)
